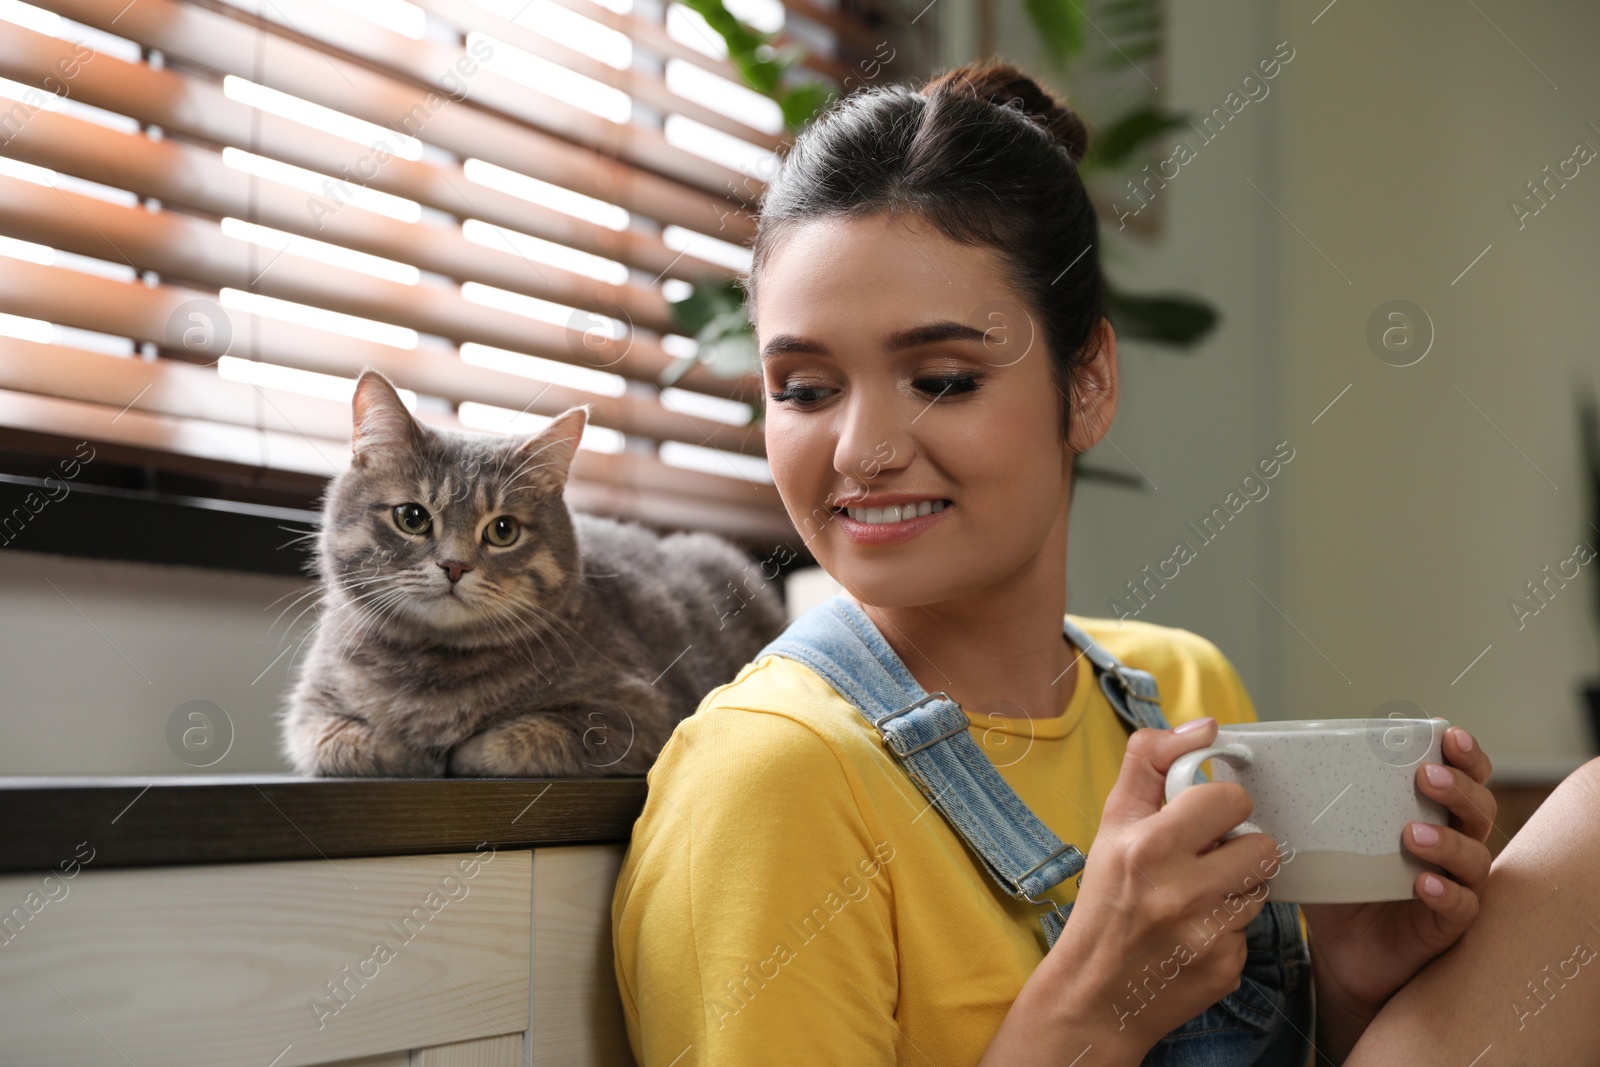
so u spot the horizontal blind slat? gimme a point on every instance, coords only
(191, 249)
(199, 110)
(465, 15)
(186, 445)
(194, 396)
(193, 177)
(50, 425)
(323, 26)
(226, 45)
(148, 314)
(232, 44)
(655, 38)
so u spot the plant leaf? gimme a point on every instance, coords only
(714, 315)
(745, 45)
(803, 101)
(711, 297)
(1172, 319)
(1060, 26)
(1117, 143)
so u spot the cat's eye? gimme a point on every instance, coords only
(412, 518)
(502, 531)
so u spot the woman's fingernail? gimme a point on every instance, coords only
(1424, 834)
(1193, 724)
(1432, 886)
(1438, 774)
(1465, 739)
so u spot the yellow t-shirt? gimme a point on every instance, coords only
(790, 897)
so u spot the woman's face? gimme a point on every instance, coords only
(906, 372)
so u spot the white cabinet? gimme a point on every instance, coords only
(466, 959)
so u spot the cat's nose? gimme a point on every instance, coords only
(454, 570)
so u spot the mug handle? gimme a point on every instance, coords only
(1180, 776)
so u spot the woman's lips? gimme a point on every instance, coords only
(889, 533)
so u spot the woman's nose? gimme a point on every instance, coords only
(876, 435)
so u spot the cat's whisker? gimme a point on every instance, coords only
(519, 637)
(518, 644)
(289, 629)
(539, 667)
(305, 535)
(381, 615)
(357, 603)
(521, 489)
(500, 464)
(364, 615)
(528, 466)
(314, 589)
(296, 653)
(531, 457)
(363, 583)
(558, 620)
(343, 597)
(363, 576)
(538, 633)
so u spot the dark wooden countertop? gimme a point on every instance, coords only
(139, 822)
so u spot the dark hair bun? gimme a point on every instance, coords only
(1003, 85)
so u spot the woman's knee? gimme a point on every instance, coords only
(1561, 830)
(1586, 780)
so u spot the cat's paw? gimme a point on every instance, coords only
(537, 746)
(483, 755)
(344, 747)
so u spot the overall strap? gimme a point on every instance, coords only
(1132, 692)
(928, 734)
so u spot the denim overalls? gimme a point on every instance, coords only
(1266, 1022)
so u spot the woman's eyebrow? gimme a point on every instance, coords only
(928, 333)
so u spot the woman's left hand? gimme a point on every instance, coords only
(1362, 953)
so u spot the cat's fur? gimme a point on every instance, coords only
(572, 652)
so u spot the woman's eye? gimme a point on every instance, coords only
(938, 386)
(412, 519)
(502, 531)
(949, 386)
(799, 394)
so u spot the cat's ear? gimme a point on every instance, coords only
(381, 422)
(551, 449)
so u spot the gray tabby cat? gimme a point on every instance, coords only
(472, 625)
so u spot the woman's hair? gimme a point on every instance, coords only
(986, 156)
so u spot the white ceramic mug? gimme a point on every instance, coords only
(1335, 794)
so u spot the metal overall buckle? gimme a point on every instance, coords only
(959, 728)
(1047, 902)
(878, 722)
(1129, 690)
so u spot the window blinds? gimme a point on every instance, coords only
(213, 215)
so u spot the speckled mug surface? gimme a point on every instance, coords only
(1335, 794)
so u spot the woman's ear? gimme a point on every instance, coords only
(1094, 391)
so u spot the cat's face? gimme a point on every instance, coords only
(457, 533)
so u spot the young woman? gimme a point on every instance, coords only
(825, 873)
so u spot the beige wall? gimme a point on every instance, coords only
(1418, 516)
(97, 656)
(1386, 553)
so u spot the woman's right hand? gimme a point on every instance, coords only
(1158, 907)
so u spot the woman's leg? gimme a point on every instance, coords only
(1522, 986)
